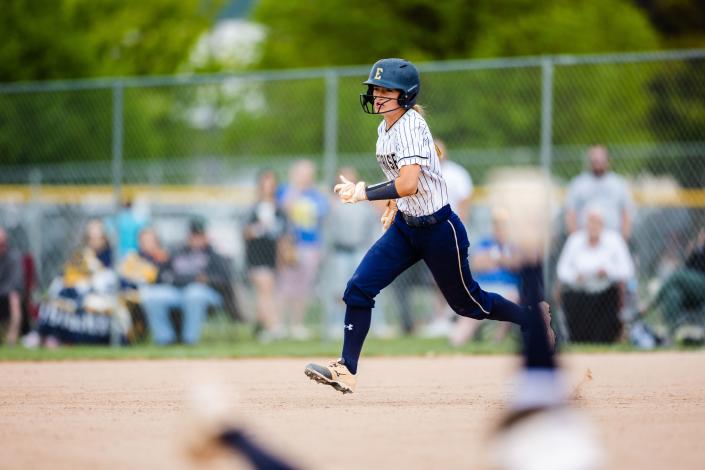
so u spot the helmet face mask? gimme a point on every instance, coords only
(369, 99)
(394, 74)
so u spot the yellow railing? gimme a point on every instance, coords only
(239, 195)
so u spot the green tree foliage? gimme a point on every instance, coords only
(341, 32)
(676, 114)
(681, 22)
(49, 39)
(525, 27)
(481, 109)
(60, 39)
(476, 112)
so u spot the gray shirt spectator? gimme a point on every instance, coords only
(600, 188)
(350, 226)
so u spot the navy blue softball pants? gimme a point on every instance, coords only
(444, 248)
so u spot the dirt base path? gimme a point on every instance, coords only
(411, 413)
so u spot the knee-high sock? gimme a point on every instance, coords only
(537, 352)
(504, 310)
(357, 324)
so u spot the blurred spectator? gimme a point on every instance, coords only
(266, 225)
(681, 299)
(306, 209)
(96, 243)
(144, 265)
(82, 304)
(350, 232)
(137, 269)
(592, 269)
(459, 182)
(126, 226)
(193, 281)
(10, 289)
(460, 188)
(599, 187)
(493, 265)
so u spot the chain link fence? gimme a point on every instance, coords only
(165, 151)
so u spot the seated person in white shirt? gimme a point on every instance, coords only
(592, 269)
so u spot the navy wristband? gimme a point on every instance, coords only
(382, 191)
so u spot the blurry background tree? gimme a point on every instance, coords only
(340, 32)
(49, 39)
(679, 92)
(64, 39)
(59, 39)
(680, 22)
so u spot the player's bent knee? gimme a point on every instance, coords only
(356, 296)
(470, 311)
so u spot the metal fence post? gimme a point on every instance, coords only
(330, 128)
(546, 114)
(117, 142)
(118, 117)
(34, 220)
(546, 148)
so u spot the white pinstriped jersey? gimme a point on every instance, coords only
(409, 142)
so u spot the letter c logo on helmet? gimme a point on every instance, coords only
(394, 74)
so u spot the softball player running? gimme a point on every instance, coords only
(419, 223)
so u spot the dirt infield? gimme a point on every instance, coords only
(411, 413)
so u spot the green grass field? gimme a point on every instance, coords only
(222, 338)
(249, 348)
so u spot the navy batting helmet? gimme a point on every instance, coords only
(395, 74)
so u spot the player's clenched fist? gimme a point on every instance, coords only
(350, 192)
(389, 213)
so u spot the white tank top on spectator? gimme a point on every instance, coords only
(581, 260)
(458, 181)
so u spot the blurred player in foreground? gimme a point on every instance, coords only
(424, 228)
(540, 430)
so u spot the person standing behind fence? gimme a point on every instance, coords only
(599, 187)
(189, 283)
(10, 288)
(126, 227)
(592, 270)
(266, 225)
(306, 209)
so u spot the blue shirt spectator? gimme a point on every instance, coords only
(126, 227)
(306, 209)
(498, 274)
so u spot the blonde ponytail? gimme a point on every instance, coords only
(439, 152)
(440, 148)
(419, 109)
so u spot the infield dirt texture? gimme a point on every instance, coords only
(408, 413)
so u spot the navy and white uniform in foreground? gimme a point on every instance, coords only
(424, 228)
